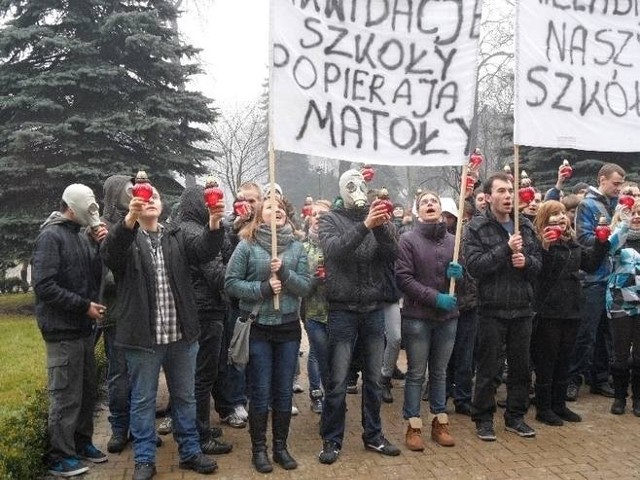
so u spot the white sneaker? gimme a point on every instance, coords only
(234, 421)
(294, 410)
(166, 426)
(241, 412)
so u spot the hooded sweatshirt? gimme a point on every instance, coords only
(116, 205)
(116, 198)
(207, 278)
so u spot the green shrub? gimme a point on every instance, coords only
(101, 364)
(23, 435)
(23, 424)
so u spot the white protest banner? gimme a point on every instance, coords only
(577, 74)
(378, 81)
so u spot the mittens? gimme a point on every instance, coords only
(446, 302)
(454, 270)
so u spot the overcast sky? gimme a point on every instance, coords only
(234, 36)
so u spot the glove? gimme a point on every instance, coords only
(454, 270)
(446, 302)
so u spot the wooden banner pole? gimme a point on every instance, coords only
(272, 195)
(456, 245)
(516, 183)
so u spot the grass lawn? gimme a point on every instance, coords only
(16, 303)
(22, 354)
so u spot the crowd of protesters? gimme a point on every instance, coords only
(540, 298)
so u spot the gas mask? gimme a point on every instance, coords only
(82, 201)
(353, 189)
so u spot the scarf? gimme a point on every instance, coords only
(633, 234)
(312, 235)
(284, 236)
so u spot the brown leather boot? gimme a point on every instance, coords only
(440, 430)
(413, 439)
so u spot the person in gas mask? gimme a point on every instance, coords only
(66, 277)
(358, 242)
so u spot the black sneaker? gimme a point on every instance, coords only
(485, 432)
(316, 405)
(603, 389)
(384, 447)
(352, 388)
(567, 415)
(144, 471)
(215, 447)
(91, 453)
(519, 427)
(216, 432)
(200, 463)
(117, 443)
(329, 453)
(67, 467)
(572, 391)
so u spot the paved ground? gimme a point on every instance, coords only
(602, 446)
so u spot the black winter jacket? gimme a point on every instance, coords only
(207, 278)
(503, 290)
(127, 253)
(116, 206)
(66, 275)
(356, 260)
(559, 292)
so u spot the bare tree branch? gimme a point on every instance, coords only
(240, 142)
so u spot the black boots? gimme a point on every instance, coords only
(280, 424)
(621, 385)
(258, 432)
(620, 388)
(544, 413)
(559, 403)
(387, 396)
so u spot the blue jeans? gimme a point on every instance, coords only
(392, 333)
(317, 362)
(460, 372)
(230, 387)
(271, 367)
(427, 343)
(590, 356)
(344, 328)
(117, 383)
(178, 360)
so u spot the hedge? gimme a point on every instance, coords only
(23, 433)
(23, 441)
